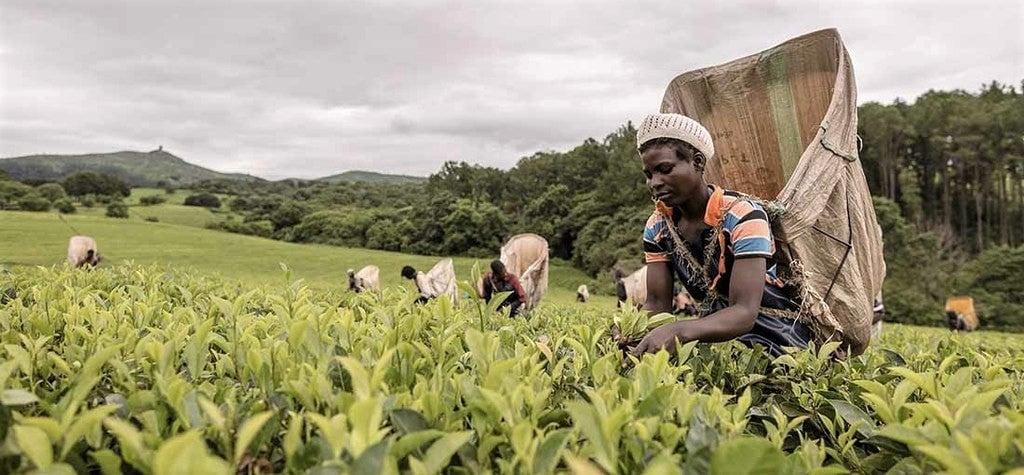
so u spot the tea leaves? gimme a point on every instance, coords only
(153, 370)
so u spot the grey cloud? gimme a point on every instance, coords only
(307, 89)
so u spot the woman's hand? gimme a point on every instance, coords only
(746, 287)
(664, 337)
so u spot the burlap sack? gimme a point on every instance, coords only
(636, 286)
(526, 256)
(784, 123)
(441, 278)
(368, 278)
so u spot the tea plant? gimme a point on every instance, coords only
(151, 370)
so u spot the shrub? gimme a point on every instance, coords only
(65, 206)
(152, 200)
(51, 191)
(261, 228)
(152, 219)
(11, 192)
(351, 228)
(33, 202)
(204, 200)
(117, 209)
(88, 183)
(288, 214)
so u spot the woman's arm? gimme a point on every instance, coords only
(746, 286)
(659, 288)
(514, 280)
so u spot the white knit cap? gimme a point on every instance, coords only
(676, 126)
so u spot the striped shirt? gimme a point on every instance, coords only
(747, 234)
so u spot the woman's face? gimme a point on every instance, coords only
(672, 181)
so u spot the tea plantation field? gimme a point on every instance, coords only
(210, 366)
(40, 239)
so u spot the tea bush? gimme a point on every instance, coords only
(153, 370)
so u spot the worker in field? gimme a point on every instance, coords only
(877, 317)
(82, 251)
(716, 243)
(582, 293)
(367, 279)
(440, 280)
(956, 321)
(499, 279)
(620, 287)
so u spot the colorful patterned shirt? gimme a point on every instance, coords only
(746, 233)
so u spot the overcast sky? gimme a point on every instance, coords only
(311, 88)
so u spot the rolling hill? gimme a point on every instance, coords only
(354, 176)
(136, 168)
(150, 169)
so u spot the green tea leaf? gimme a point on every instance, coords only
(109, 462)
(655, 403)
(35, 445)
(359, 376)
(293, 437)
(371, 461)
(550, 450)
(747, 456)
(663, 464)
(411, 442)
(408, 420)
(133, 449)
(92, 366)
(56, 469)
(17, 397)
(82, 424)
(186, 454)
(588, 421)
(248, 432)
(440, 452)
(853, 414)
(945, 456)
(581, 466)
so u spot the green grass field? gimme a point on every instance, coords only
(40, 239)
(173, 211)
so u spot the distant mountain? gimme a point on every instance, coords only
(135, 168)
(356, 176)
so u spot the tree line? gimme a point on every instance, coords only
(954, 161)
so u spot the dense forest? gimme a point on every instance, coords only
(954, 161)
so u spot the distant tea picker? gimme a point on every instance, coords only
(522, 270)
(440, 280)
(776, 274)
(82, 251)
(367, 279)
(582, 293)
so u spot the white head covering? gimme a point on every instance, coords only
(675, 126)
